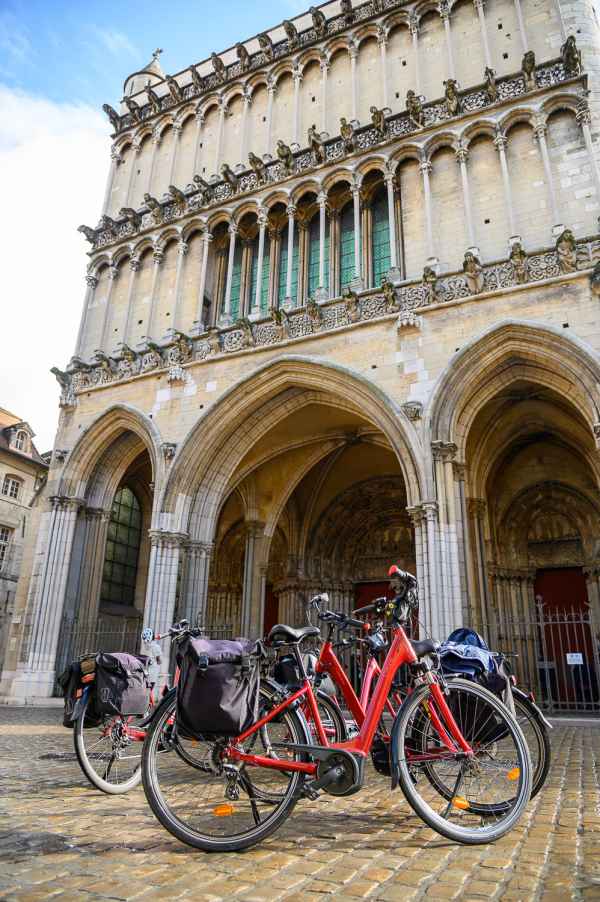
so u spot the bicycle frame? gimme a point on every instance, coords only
(400, 652)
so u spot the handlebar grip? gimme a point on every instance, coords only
(371, 607)
(356, 623)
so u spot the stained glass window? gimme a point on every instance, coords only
(266, 269)
(380, 231)
(283, 267)
(314, 251)
(346, 246)
(122, 549)
(236, 280)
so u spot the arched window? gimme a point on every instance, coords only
(346, 246)
(122, 549)
(21, 441)
(314, 255)
(266, 272)
(380, 237)
(236, 280)
(283, 267)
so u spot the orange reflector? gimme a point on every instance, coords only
(514, 774)
(223, 810)
(460, 803)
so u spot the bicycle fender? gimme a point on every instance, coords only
(537, 709)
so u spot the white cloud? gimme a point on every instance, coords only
(54, 160)
(114, 41)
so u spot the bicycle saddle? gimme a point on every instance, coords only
(287, 635)
(423, 647)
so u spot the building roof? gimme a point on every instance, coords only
(150, 74)
(8, 421)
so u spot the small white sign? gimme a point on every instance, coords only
(574, 657)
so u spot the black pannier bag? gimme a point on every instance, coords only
(70, 683)
(121, 685)
(218, 686)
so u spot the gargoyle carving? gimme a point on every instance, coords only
(133, 108)
(518, 258)
(378, 121)
(389, 293)
(257, 166)
(491, 88)
(451, 97)
(243, 56)
(430, 286)
(266, 45)
(153, 99)
(197, 80)
(154, 207)
(319, 22)
(314, 313)
(112, 115)
(131, 216)
(174, 89)
(571, 56)
(347, 11)
(107, 224)
(352, 305)
(316, 144)
(473, 271)
(291, 34)
(229, 176)
(595, 280)
(347, 134)
(414, 108)
(567, 251)
(90, 234)
(219, 67)
(528, 70)
(286, 156)
(178, 196)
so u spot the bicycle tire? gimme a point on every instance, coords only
(170, 821)
(541, 762)
(83, 757)
(509, 811)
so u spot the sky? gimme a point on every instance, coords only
(60, 60)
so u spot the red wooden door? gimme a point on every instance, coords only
(271, 609)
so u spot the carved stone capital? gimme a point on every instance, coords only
(233, 229)
(462, 154)
(539, 128)
(64, 503)
(182, 248)
(158, 256)
(113, 272)
(425, 167)
(91, 280)
(444, 451)
(135, 264)
(460, 470)
(583, 114)
(444, 9)
(291, 210)
(160, 538)
(169, 450)
(413, 25)
(413, 410)
(500, 141)
(115, 155)
(476, 507)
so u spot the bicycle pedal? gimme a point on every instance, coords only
(311, 794)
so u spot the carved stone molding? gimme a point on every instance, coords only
(413, 410)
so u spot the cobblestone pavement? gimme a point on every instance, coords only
(61, 839)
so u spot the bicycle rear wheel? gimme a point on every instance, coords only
(538, 740)
(468, 798)
(109, 757)
(213, 807)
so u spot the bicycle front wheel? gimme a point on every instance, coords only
(474, 798)
(211, 806)
(108, 753)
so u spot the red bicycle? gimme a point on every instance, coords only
(248, 785)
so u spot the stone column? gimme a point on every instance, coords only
(467, 545)
(220, 132)
(291, 213)
(113, 274)
(480, 9)
(500, 142)
(540, 135)
(357, 239)
(414, 31)
(462, 156)
(353, 51)
(262, 224)
(324, 71)
(584, 117)
(476, 508)
(200, 324)
(244, 136)
(92, 567)
(322, 291)
(417, 516)
(159, 610)
(38, 676)
(173, 162)
(443, 456)
(115, 162)
(444, 11)
(134, 152)
(297, 76)
(92, 283)
(195, 588)
(394, 274)
(430, 531)
(197, 148)
(271, 91)
(134, 265)
(254, 537)
(182, 249)
(156, 139)
(382, 40)
(226, 317)
(425, 167)
(521, 23)
(157, 257)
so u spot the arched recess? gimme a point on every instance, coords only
(450, 235)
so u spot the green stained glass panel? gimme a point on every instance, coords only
(380, 231)
(346, 246)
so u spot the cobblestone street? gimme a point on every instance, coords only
(61, 839)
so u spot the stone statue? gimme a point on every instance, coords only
(63, 378)
(316, 144)
(378, 121)
(245, 328)
(414, 108)
(90, 234)
(229, 176)
(281, 320)
(347, 11)
(291, 34)
(451, 97)
(197, 80)
(352, 305)
(112, 114)
(567, 251)
(219, 67)
(103, 366)
(571, 56)
(107, 223)
(153, 99)
(214, 341)
(203, 187)
(314, 313)
(174, 89)
(473, 271)
(389, 293)
(133, 108)
(243, 56)
(528, 71)
(257, 166)
(595, 280)
(127, 365)
(286, 156)
(177, 196)
(491, 88)
(347, 134)
(132, 216)
(430, 285)
(266, 45)
(154, 207)
(319, 22)
(518, 258)
(181, 348)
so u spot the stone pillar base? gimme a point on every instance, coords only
(28, 685)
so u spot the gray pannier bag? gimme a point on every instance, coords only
(121, 685)
(218, 687)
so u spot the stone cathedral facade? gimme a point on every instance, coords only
(342, 309)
